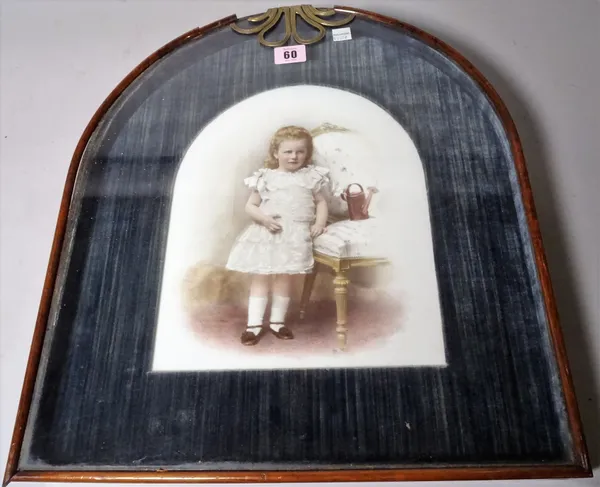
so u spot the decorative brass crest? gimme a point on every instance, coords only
(315, 17)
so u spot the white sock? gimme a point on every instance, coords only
(256, 312)
(278, 311)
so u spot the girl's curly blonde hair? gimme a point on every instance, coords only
(286, 133)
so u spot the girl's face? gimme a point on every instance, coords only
(291, 154)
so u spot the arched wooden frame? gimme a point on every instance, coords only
(578, 468)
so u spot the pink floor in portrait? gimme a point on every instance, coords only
(369, 324)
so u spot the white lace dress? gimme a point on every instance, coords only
(290, 198)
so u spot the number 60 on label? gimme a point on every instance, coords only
(290, 54)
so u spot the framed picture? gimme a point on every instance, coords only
(299, 246)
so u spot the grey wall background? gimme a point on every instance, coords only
(66, 56)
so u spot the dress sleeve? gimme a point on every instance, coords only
(257, 180)
(319, 179)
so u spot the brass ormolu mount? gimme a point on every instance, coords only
(315, 17)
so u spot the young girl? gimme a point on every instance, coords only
(289, 210)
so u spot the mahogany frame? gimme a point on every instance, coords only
(580, 466)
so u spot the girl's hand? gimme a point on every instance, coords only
(271, 223)
(317, 230)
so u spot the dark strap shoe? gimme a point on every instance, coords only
(249, 338)
(284, 333)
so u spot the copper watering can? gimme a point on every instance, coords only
(358, 202)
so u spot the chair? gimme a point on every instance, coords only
(346, 245)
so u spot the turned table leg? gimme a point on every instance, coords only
(309, 281)
(340, 283)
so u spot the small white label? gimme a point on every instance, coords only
(342, 34)
(290, 54)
